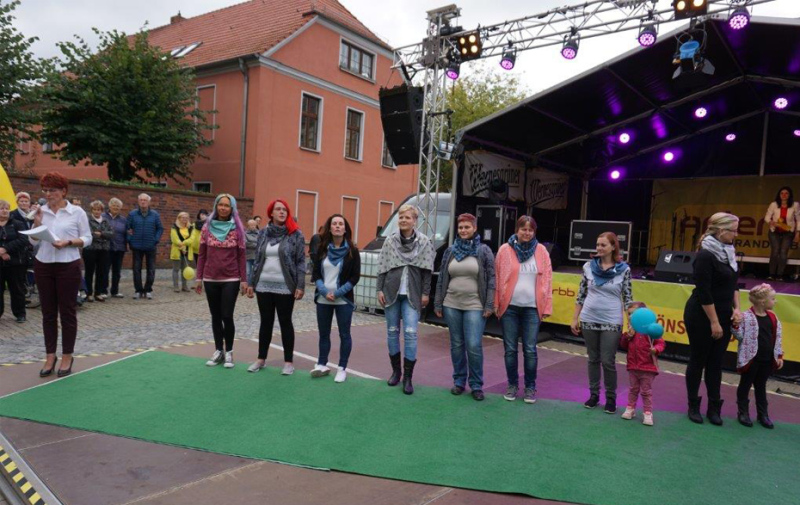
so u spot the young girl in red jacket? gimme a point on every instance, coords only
(642, 368)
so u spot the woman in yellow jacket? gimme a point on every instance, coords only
(202, 216)
(182, 251)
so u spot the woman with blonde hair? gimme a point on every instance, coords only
(182, 252)
(96, 255)
(709, 312)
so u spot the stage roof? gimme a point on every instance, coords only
(575, 126)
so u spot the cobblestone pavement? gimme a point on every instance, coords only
(124, 324)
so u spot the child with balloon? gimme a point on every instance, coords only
(643, 343)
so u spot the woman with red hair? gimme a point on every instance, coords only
(278, 279)
(57, 268)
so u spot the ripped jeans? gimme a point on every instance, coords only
(402, 309)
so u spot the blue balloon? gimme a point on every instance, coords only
(642, 318)
(655, 330)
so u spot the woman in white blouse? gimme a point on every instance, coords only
(781, 217)
(57, 268)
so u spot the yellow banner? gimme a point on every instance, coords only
(6, 191)
(667, 300)
(681, 210)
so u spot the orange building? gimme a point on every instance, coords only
(294, 84)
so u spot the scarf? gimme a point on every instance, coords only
(98, 219)
(726, 253)
(398, 251)
(220, 229)
(463, 248)
(275, 233)
(336, 254)
(524, 250)
(603, 276)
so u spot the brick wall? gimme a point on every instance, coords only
(168, 202)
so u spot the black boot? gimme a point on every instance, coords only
(694, 410)
(744, 413)
(397, 373)
(763, 416)
(713, 412)
(408, 372)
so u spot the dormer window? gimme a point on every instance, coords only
(180, 52)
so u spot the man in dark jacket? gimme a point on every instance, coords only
(144, 231)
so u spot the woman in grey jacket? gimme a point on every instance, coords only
(96, 255)
(404, 284)
(278, 279)
(465, 296)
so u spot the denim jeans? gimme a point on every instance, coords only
(402, 309)
(521, 323)
(150, 257)
(344, 316)
(466, 348)
(250, 264)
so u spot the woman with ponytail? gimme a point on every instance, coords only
(604, 293)
(710, 312)
(222, 271)
(336, 271)
(524, 299)
(278, 279)
(465, 297)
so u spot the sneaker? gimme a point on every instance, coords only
(478, 395)
(118, 295)
(136, 296)
(511, 393)
(89, 299)
(318, 371)
(341, 375)
(648, 419)
(21, 319)
(610, 407)
(216, 358)
(229, 360)
(457, 390)
(288, 369)
(149, 295)
(592, 402)
(100, 298)
(255, 367)
(629, 413)
(530, 395)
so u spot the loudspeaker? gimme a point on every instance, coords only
(675, 266)
(401, 117)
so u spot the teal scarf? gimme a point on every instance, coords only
(220, 229)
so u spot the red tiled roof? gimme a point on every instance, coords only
(250, 27)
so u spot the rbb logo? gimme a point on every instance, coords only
(560, 291)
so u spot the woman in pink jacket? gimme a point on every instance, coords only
(523, 299)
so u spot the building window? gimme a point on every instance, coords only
(386, 157)
(203, 187)
(355, 60)
(352, 148)
(159, 184)
(309, 122)
(47, 147)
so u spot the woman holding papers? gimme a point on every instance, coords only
(58, 268)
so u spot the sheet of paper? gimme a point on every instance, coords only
(41, 233)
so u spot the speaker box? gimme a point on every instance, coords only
(675, 266)
(401, 117)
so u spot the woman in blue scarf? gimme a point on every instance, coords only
(604, 293)
(337, 269)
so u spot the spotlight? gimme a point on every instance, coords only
(730, 137)
(509, 57)
(692, 64)
(781, 103)
(739, 18)
(689, 8)
(669, 156)
(615, 175)
(648, 35)
(624, 138)
(470, 46)
(570, 48)
(700, 112)
(453, 70)
(797, 133)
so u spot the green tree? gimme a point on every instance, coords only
(474, 97)
(128, 106)
(20, 74)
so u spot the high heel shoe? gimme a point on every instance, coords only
(47, 373)
(64, 373)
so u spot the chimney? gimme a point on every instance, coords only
(176, 19)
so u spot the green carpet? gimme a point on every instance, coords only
(553, 450)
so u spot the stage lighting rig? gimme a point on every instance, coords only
(469, 45)
(693, 66)
(739, 18)
(684, 9)
(509, 57)
(648, 34)
(569, 49)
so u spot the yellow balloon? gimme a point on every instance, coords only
(6, 191)
(188, 273)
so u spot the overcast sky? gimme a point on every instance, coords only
(399, 22)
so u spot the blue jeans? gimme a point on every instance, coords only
(250, 264)
(344, 316)
(401, 308)
(466, 327)
(521, 323)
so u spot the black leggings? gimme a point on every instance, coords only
(221, 302)
(268, 303)
(756, 376)
(705, 352)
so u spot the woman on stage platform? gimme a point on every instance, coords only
(604, 293)
(782, 216)
(465, 297)
(404, 284)
(709, 313)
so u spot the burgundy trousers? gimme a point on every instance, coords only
(58, 285)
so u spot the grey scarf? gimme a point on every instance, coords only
(726, 253)
(275, 233)
(398, 251)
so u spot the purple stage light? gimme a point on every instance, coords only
(569, 53)
(452, 73)
(739, 18)
(615, 174)
(624, 138)
(797, 133)
(647, 39)
(700, 112)
(781, 103)
(506, 64)
(730, 137)
(669, 156)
